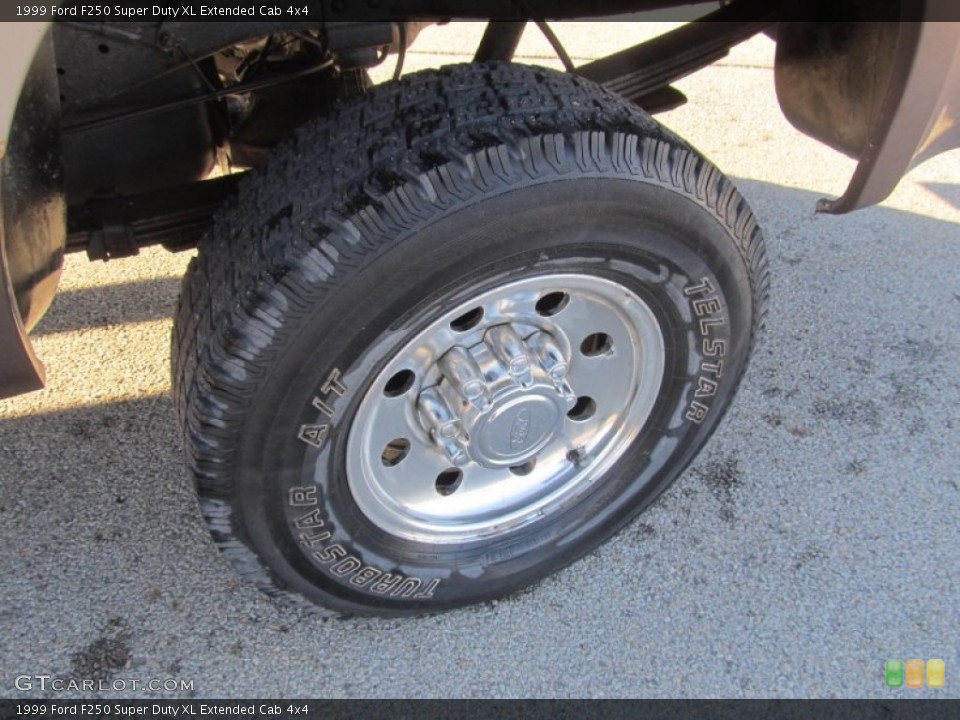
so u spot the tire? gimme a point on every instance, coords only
(347, 296)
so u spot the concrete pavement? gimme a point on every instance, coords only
(814, 538)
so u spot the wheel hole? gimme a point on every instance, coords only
(596, 344)
(449, 480)
(524, 469)
(104, 48)
(394, 452)
(468, 320)
(399, 383)
(552, 303)
(584, 409)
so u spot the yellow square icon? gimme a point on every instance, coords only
(915, 673)
(935, 673)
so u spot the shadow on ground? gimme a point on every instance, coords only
(98, 307)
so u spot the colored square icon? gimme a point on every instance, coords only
(935, 673)
(914, 673)
(894, 672)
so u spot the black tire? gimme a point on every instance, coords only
(371, 223)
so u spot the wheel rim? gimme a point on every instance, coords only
(505, 408)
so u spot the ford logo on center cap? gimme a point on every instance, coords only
(520, 429)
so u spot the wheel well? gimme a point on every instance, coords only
(832, 75)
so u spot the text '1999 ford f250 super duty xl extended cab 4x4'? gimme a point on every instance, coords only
(445, 334)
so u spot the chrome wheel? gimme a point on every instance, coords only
(505, 408)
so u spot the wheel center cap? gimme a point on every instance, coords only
(516, 428)
(499, 402)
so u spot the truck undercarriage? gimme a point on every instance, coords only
(184, 97)
(193, 95)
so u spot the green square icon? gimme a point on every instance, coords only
(894, 673)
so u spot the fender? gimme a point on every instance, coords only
(32, 207)
(918, 118)
(883, 92)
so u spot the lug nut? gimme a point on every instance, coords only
(439, 416)
(550, 356)
(508, 347)
(443, 425)
(453, 450)
(464, 375)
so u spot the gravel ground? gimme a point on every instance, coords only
(814, 538)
